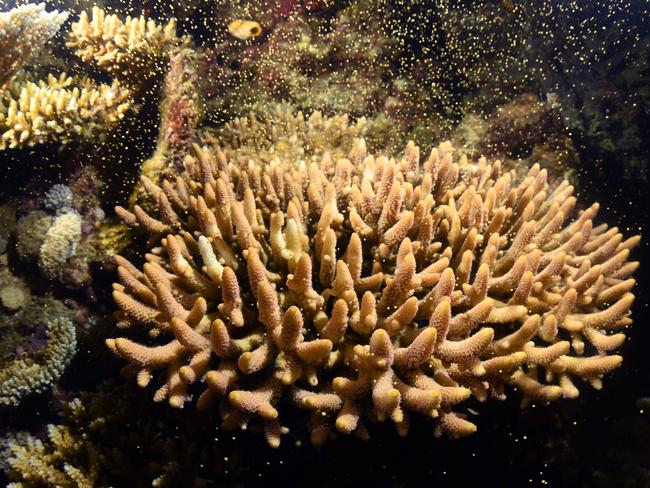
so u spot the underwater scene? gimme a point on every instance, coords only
(324, 243)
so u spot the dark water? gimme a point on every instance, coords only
(594, 57)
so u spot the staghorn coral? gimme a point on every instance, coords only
(60, 244)
(27, 376)
(60, 109)
(131, 50)
(24, 31)
(369, 289)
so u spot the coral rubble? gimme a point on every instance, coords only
(367, 288)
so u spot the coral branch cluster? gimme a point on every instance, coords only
(61, 109)
(65, 108)
(130, 50)
(368, 288)
(24, 31)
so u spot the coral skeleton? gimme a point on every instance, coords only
(367, 288)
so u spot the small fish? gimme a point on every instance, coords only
(509, 5)
(244, 29)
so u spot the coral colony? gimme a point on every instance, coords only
(368, 288)
(294, 260)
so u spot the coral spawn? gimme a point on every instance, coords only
(367, 288)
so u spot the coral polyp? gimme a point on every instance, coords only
(366, 288)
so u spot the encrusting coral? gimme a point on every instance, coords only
(60, 244)
(27, 376)
(24, 31)
(365, 288)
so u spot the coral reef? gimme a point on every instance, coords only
(64, 245)
(100, 442)
(67, 108)
(333, 58)
(283, 271)
(130, 50)
(27, 376)
(60, 109)
(286, 136)
(368, 288)
(24, 31)
(39, 465)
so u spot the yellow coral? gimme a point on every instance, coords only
(369, 288)
(130, 50)
(13, 297)
(38, 464)
(61, 109)
(286, 136)
(24, 31)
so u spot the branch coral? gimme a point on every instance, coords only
(287, 136)
(24, 31)
(37, 463)
(60, 109)
(368, 288)
(28, 376)
(130, 50)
